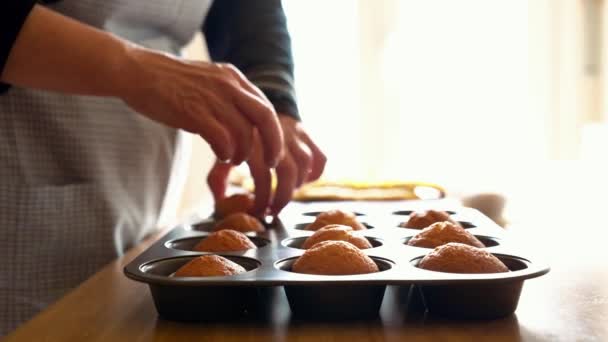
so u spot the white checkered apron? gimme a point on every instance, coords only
(82, 178)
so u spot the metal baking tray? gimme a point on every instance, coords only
(479, 296)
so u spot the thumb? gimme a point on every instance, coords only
(217, 179)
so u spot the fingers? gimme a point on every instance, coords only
(242, 135)
(292, 171)
(215, 101)
(240, 129)
(211, 130)
(302, 157)
(217, 179)
(252, 103)
(318, 158)
(264, 119)
(287, 176)
(262, 179)
(243, 81)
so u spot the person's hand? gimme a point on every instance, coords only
(213, 100)
(302, 162)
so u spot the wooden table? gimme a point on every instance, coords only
(568, 304)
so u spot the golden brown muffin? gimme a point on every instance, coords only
(238, 203)
(336, 232)
(441, 233)
(336, 217)
(240, 222)
(209, 266)
(226, 240)
(460, 258)
(420, 220)
(334, 258)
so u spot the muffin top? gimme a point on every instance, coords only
(423, 219)
(460, 258)
(336, 232)
(240, 222)
(440, 233)
(209, 266)
(334, 258)
(237, 203)
(226, 240)
(336, 217)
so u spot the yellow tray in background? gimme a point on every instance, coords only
(324, 190)
(359, 191)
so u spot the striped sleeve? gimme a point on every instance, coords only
(253, 36)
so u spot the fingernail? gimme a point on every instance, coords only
(224, 157)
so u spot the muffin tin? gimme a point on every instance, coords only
(249, 294)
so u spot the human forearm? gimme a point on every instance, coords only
(53, 52)
(56, 53)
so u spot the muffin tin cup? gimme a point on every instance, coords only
(476, 300)
(472, 301)
(335, 302)
(342, 301)
(190, 303)
(174, 301)
(320, 297)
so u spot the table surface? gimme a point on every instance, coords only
(568, 304)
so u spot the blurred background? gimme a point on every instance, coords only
(500, 96)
